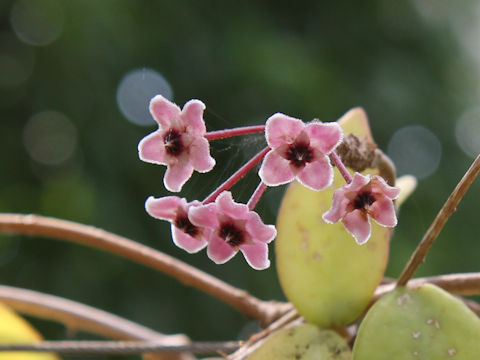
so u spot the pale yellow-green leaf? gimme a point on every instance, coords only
(407, 185)
(328, 277)
(303, 342)
(422, 323)
(14, 330)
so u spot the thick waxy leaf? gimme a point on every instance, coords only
(327, 276)
(421, 323)
(303, 342)
(15, 330)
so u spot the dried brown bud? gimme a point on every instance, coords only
(357, 154)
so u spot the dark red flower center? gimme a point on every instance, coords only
(173, 142)
(299, 154)
(363, 200)
(183, 223)
(231, 234)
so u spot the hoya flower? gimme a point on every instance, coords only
(174, 209)
(179, 141)
(234, 227)
(299, 151)
(364, 197)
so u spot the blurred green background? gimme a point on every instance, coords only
(75, 80)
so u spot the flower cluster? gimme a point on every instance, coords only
(295, 151)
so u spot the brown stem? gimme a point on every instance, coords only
(458, 284)
(37, 225)
(77, 316)
(386, 168)
(121, 347)
(445, 212)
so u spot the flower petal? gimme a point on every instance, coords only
(219, 251)
(316, 175)
(358, 225)
(256, 255)
(229, 207)
(383, 212)
(379, 185)
(275, 170)
(338, 208)
(204, 215)
(200, 155)
(163, 111)
(358, 182)
(258, 230)
(192, 115)
(152, 149)
(165, 208)
(282, 129)
(177, 175)
(324, 136)
(186, 242)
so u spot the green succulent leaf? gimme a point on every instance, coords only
(303, 342)
(421, 323)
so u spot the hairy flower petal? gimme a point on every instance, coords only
(339, 207)
(280, 129)
(356, 222)
(205, 215)
(229, 207)
(256, 255)
(200, 156)
(192, 115)
(186, 242)
(275, 170)
(219, 251)
(255, 225)
(177, 175)
(163, 111)
(164, 208)
(383, 212)
(151, 149)
(324, 136)
(379, 185)
(316, 175)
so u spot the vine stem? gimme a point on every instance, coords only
(418, 256)
(76, 316)
(121, 347)
(245, 130)
(232, 180)
(263, 311)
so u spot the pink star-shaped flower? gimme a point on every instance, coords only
(299, 151)
(234, 227)
(185, 235)
(365, 196)
(179, 141)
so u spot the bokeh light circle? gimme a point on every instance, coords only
(49, 137)
(16, 61)
(415, 150)
(135, 91)
(37, 22)
(467, 131)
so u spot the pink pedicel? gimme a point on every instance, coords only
(366, 196)
(185, 235)
(299, 151)
(179, 143)
(234, 227)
